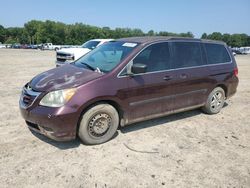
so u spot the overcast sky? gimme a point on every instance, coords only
(197, 16)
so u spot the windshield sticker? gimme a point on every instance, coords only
(131, 45)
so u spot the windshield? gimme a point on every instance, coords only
(90, 44)
(106, 57)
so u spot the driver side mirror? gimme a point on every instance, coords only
(138, 68)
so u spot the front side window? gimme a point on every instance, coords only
(186, 54)
(216, 53)
(106, 57)
(156, 57)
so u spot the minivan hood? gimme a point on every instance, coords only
(63, 77)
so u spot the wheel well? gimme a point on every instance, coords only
(224, 88)
(110, 102)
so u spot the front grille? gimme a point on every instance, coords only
(62, 54)
(60, 59)
(28, 95)
(28, 99)
(64, 57)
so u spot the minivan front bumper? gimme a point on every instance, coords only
(51, 122)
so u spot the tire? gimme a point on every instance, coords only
(98, 124)
(215, 101)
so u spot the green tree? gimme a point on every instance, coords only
(204, 36)
(10, 40)
(188, 34)
(215, 36)
(32, 28)
(15, 34)
(151, 33)
(236, 40)
(227, 39)
(2, 34)
(248, 41)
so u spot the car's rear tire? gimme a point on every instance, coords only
(98, 124)
(215, 101)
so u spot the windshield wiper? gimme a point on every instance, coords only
(98, 70)
(88, 66)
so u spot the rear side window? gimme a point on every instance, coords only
(216, 53)
(186, 54)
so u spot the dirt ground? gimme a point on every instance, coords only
(188, 149)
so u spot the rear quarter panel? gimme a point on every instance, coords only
(223, 75)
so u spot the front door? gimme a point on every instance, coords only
(151, 93)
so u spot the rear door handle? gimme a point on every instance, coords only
(183, 76)
(167, 78)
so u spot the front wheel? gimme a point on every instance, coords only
(98, 124)
(215, 101)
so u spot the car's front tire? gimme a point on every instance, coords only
(98, 124)
(215, 101)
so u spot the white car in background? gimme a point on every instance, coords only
(68, 55)
(2, 45)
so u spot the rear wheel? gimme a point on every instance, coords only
(215, 101)
(98, 124)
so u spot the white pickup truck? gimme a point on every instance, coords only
(68, 55)
(50, 46)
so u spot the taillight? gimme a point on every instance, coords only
(236, 71)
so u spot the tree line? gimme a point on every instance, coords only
(234, 40)
(37, 32)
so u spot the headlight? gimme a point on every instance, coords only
(57, 98)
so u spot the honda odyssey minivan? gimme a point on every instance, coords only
(126, 81)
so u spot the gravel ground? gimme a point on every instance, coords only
(188, 149)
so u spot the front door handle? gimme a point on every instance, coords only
(167, 78)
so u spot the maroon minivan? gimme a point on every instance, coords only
(126, 81)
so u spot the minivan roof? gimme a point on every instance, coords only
(152, 39)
